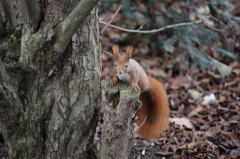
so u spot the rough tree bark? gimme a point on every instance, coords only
(50, 77)
(119, 106)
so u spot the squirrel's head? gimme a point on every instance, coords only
(122, 64)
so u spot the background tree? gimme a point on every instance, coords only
(50, 77)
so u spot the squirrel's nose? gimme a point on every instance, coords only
(120, 72)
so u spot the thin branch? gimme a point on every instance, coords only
(143, 122)
(69, 26)
(194, 134)
(107, 52)
(216, 20)
(112, 18)
(160, 29)
(34, 13)
(219, 30)
(132, 130)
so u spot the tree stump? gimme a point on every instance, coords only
(119, 106)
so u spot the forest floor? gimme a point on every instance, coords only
(204, 123)
(205, 112)
(205, 106)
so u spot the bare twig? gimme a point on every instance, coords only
(132, 130)
(160, 29)
(216, 20)
(107, 52)
(176, 140)
(111, 18)
(194, 134)
(143, 122)
(219, 30)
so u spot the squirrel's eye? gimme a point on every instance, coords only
(126, 65)
(115, 65)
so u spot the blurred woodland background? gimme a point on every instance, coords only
(198, 64)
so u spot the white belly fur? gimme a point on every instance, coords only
(125, 77)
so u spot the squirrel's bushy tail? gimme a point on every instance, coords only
(152, 117)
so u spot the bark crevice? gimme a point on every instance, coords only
(34, 14)
(49, 116)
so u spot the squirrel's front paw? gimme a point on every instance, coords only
(112, 82)
(135, 87)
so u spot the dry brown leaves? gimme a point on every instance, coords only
(205, 115)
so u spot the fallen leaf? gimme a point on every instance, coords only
(209, 99)
(165, 154)
(179, 157)
(201, 143)
(234, 154)
(231, 83)
(194, 94)
(196, 110)
(205, 80)
(143, 151)
(224, 157)
(181, 122)
(223, 69)
(157, 73)
(180, 81)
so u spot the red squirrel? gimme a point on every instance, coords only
(152, 117)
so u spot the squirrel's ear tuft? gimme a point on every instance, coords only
(115, 49)
(129, 51)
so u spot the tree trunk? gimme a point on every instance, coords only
(50, 77)
(119, 107)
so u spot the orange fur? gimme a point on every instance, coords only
(129, 51)
(115, 49)
(154, 113)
